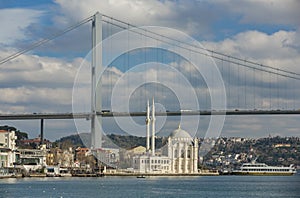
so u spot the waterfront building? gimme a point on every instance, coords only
(82, 155)
(178, 156)
(7, 148)
(61, 157)
(107, 156)
(33, 159)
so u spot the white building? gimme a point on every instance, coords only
(179, 155)
(152, 164)
(7, 148)
(33, 159)
(108, 156)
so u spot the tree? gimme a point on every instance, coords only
(21, 135)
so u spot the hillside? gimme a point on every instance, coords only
(109, 141)
(273, 151)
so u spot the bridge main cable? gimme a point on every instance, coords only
(46, 40)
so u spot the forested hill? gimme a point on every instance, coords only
(109, 141)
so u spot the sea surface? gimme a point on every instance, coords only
(203, 186)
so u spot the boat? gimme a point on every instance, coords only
(52, 171)
(224, 172)
(65, 172)
(6, 173)
(140, 176)
(255, 168)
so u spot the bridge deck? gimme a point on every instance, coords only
(135, 114)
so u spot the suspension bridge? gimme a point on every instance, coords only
(250, 88)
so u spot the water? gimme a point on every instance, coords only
(206, 186)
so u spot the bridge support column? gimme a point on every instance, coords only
(42, 132)
(96, 103)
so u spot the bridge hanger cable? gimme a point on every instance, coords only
(276, 72)
(218, 55)
(202, 48)
(46, 40)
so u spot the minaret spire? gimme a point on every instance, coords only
(153, 127)
(148, 128)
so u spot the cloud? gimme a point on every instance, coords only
(38, 71)
(146, 10)
(14, 23)
(264, 11)
(190, 16)
(45, 96)
(259, 45)
(32, 83)
(198, 18)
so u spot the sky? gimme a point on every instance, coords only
(43, 79)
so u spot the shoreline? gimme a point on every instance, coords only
(161, 174)
(138, 175)
(115, 175)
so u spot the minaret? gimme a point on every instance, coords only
(153, 128)
(148, 128)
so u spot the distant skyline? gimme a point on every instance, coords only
(42, 80)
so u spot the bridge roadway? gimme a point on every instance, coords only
(87, 116)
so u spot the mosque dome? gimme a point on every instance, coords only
(180, 133)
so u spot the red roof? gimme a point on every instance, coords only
(35, 140)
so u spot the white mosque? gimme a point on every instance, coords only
(179, 155)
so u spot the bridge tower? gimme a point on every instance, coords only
(96, 102)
